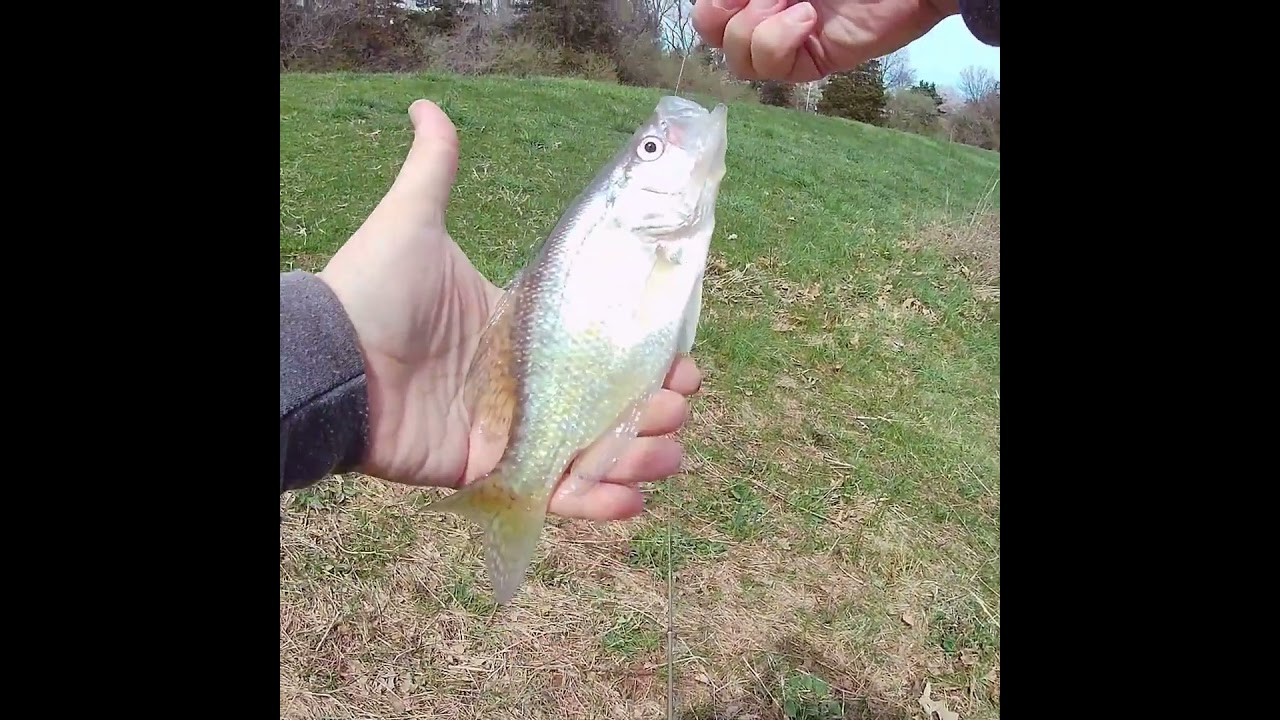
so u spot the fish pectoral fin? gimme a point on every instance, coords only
(512, 524)
(692, 313)
(490, 388)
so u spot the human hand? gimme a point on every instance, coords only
(803, 41)
(418, 306)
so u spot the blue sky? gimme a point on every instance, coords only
(948, 48)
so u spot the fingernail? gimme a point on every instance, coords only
(728, 5)
(800, 14)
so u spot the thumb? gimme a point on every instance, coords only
(428, 172)
(777, 45)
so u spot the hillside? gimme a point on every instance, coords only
(837, 525)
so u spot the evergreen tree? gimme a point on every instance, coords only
(930, 90)
(857, 95)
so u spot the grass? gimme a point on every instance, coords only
(836, 525)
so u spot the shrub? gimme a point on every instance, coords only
(913, 112)
(577, 38)
(524, 58)
(778, 94)
(470, 47)
(588, 66)
(582, 25)
(968, 125)
(641, 63)
(374, 35)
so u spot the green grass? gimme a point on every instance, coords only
(839, 512)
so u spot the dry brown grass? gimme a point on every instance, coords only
(852, 591)
(973, 245)
(400, 635)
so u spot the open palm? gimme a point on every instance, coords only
(419, 306)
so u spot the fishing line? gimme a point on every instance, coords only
(683, 57)
(671, 612)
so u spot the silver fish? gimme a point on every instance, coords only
(585, 333)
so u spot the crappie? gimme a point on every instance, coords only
(586, 332)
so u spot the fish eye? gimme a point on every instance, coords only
(650, 148)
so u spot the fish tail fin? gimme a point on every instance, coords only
(512, 524)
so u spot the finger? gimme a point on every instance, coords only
(777, 45)
(710, 16)
(604, 501)
(666, 412)
(429, 170)
(647, 460)
(684, 376)
(738, 32)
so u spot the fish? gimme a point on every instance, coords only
(585, 333)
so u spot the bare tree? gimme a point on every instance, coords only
(975, 119)
(898, 73)
(976, 83)
(679, 26)
(474, 44)
(309, 27)
(670, 22)
(635, 16)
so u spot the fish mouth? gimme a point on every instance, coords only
(699, 132)
(710, 164)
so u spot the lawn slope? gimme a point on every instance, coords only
(837, 526)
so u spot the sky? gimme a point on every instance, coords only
(948, 48)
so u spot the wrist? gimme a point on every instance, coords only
(374, 409)
(323, 410)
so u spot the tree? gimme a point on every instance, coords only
(583, 25)
(913, 112)
(898, 73)
(677, 25)
(776, 93)
(976, 83)
(977, 122)
(308, 30)
(857, 95)
(670, 22)
(929, 90)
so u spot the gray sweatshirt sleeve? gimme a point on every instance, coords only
(324, 415)
(982, 17)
